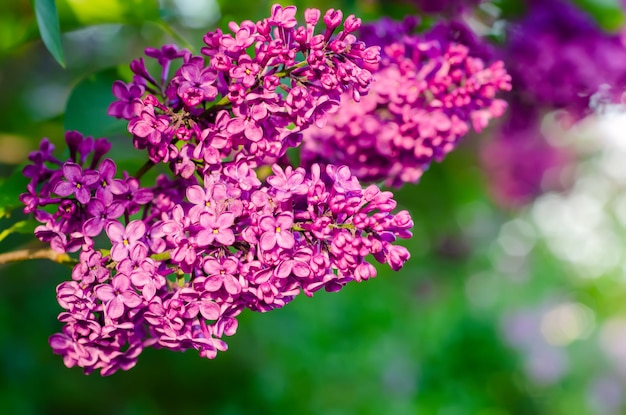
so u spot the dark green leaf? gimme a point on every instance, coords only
(87, 106)
(48, 21)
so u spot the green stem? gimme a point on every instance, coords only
(163, 256)
(286, 72)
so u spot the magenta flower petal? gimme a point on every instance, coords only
(196, 195)
(64, 188)
(135, 230)
(285, 239)
(225, 220)
(115, 308)
(225, 237)
(72, 172)
(268, 241)
(210, 310)
(115, 231)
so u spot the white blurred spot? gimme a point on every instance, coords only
(566, 323)
(517, 237)
(613, 342)
(197, 13)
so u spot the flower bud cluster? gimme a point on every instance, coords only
(428, 91)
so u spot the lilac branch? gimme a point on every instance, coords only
(36, 253)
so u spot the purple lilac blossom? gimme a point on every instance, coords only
(428, 91)
(251, 93)
(172, 265)
(559, 57)
(316, 236)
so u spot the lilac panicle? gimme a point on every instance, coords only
(429, 91)
(559, 57)
(233, 103)
(171, 265)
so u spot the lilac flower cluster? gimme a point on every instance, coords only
(429, 89)
(559, 60)
(173, 264)
(559, 57)
(239, 105)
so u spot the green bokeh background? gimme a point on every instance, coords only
(430, 339)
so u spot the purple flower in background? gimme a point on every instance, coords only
(559, 57)
(445, 6)
(519, 162)
(429, 90)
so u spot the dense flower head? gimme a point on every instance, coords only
(178, 279)
(251, 93)
(559, 57)
(171, 265)
(429, 90)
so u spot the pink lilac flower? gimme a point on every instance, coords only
(77, 182)
(234, 103)
(429, 91)
(124, 239)
(184, 256)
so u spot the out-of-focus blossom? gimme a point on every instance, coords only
(559, 57)
(520, 164)
(429, 92)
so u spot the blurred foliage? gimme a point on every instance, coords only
(435, 338)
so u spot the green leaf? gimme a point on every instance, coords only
(78, 13)
(26, 226)
(10, 191)
(48, 21)
(86, 109)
